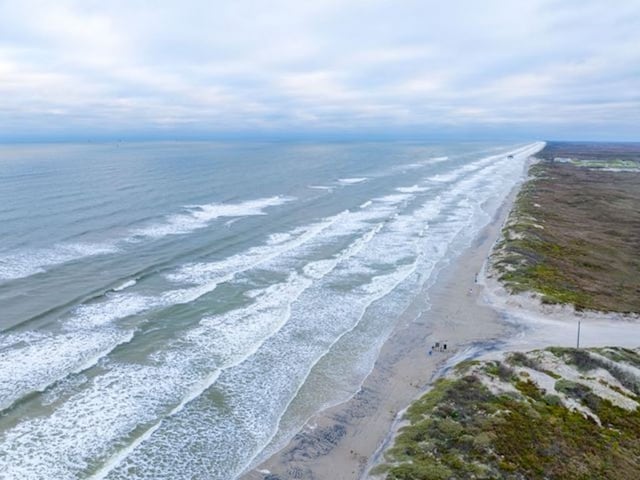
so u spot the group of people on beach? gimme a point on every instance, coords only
(438, 347)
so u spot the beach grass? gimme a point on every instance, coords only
(493, 419)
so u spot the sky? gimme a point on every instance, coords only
(535, 69)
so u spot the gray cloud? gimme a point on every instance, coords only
(551, 68)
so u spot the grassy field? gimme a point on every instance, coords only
(550, 414)
(573, 235)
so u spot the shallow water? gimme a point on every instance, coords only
(170, 310)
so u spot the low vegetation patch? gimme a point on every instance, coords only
(574, 231)
(495, 420)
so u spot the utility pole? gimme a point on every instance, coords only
(578, 342)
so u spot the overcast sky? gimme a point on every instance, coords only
(467, 69)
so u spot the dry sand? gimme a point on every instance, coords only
(344, 441)
(539, 326)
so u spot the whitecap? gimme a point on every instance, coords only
(125, 285)
(352, 181)
(25, 263)
(200, 216)
(412, 189)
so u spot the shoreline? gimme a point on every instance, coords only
(345, 441)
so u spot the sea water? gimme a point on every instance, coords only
(178, 310)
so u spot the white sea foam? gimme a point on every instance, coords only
(115, 307)
(34, 365)
(22, 338)
(90, 333)
(280, 237)
(408, 166)
(320, 268)
(30, 262)
(352, 181)
(421, 164)
(200, 216)
(62, 444)
(412, 189)
(394, 199)
(446, 177)
(125, 285)
(224, 270)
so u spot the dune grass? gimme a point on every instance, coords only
(462, 429)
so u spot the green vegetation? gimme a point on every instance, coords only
(574, 232)
(613, 163)
(493, 421)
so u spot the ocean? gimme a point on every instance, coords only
(178, 310)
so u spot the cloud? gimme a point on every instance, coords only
(89, 68)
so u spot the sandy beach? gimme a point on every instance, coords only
(343, 442)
